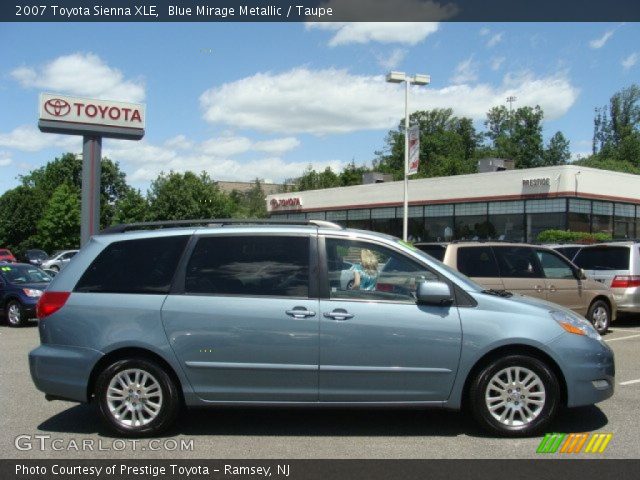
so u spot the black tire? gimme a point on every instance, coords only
(169, 401)
(595, 315)
(13, 308)
(544, 413)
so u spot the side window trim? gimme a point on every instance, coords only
(324, 289)
(179, 280)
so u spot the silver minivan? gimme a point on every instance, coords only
(616, 265)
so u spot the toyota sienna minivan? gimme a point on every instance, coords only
(217, 312)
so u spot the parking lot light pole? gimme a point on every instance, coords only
(418, 79)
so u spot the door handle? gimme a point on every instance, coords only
(338, 314)
(538, 288)
(552, 288)
(300, 312)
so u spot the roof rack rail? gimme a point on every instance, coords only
(215, 222)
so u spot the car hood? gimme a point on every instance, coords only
(522, 303)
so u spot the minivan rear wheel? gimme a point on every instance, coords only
(136, 397)
(514, 396)
(599, 315)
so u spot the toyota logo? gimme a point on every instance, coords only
(57, 107)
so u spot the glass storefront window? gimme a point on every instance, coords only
(624, 225)
(438, 229)
(539, 222)
(471, 222)
(508, 227)
(579, 222)
(602, 218)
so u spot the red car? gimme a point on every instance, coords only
(6, 255)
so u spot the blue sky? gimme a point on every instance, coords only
(243, 100)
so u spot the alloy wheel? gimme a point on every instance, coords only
(515, 396)
(134, 397)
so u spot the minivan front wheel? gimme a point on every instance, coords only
(599, 315)
(516, 395)
(136, 397)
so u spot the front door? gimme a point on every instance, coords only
(562, 285)
(521, 271)
(244, 325)
(376, 344)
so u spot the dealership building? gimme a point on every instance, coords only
(503, 204)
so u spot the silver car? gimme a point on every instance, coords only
(617, 265)
(58, 260)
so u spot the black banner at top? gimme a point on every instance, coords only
(319, 10)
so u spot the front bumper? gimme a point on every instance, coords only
(589, 369)
(62, 371)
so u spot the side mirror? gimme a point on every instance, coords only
(580, 274)
(434, 293)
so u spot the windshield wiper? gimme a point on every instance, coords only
(498, 293)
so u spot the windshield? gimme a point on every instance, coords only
(37, 254)
(20, 274)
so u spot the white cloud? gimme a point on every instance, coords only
(333, 101)
(408, 33)
(496, 63)
(179, 142)
(629, 61)
(393, 60)
(29, 139)
(495, 39)
(597, 43)
(277, 146)
(580, 155)
(484, 32)
(83, 74)
(465, 72)
(5, 159)
(213, 156)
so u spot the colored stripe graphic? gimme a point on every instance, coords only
(574, 443)
(550, 442)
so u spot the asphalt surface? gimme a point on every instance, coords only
(66, 430)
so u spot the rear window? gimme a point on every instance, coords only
(568, 252)
(249, 265)
(477, 262)
(436, 251)
(134, 266)
(603, 258)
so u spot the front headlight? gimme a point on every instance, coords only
(32, 292)
(575, 324)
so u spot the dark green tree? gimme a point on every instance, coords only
(447, 145)
(313, 180)
(68, 169)
(131, 207)
(20, 210)
(183, 196)
(517, 135)
(59, 227)
(557, 151)
(617, 127)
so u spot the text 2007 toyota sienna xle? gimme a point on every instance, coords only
(144, 322)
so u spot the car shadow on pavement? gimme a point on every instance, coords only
(83, 419)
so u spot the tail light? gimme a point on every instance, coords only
(51, 302)
(625, 281)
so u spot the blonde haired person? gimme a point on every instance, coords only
(366, 272)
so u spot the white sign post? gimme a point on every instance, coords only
(93, 119)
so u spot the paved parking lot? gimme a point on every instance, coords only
(68, 430)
